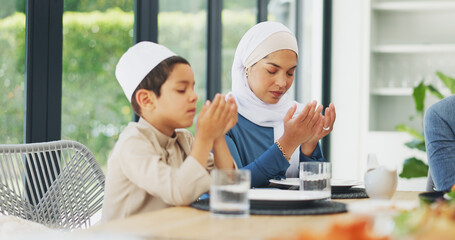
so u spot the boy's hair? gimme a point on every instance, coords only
(156, 78)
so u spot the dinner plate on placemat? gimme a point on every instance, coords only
(316, 207)
(343, 184)
(283, 199)
(337, 184)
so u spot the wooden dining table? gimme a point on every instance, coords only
(189, 223)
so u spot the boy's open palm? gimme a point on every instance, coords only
(214, 117)
(233, 115)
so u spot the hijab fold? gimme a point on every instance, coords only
(258, 42)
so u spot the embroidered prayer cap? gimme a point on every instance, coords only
(137, 62)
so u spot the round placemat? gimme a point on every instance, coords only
(351, 193)
(317, 207)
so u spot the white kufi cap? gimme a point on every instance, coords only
(137, 62)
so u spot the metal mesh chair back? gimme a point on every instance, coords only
(58, 184)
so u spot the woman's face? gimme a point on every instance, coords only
(272, 76)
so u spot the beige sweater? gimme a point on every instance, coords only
(148, 170)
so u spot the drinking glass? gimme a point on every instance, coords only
(315, 179)
(229, 193)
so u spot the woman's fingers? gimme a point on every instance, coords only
(290, 113)
(316, 116)
(332, 113)
(304, 113)
(309, 120)
(327, 119)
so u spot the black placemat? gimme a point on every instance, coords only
(430, 197)
(351, 193)
(337, 192)
(316, 207)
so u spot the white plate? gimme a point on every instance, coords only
(285, 195)
(334, 182)
(345, 183)
(286, 182)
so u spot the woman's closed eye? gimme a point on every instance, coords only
(181, 90)
(271, 71)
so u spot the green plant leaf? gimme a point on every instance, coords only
(419, 96)
(448, 81)
(416, 144)
(411, 131)
(434, 91)
(414, 167)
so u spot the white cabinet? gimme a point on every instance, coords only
(409, 41)
(380, 50)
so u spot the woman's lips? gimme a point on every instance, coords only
(276, 93)
(192, 110)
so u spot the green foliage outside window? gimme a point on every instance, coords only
(94, 108)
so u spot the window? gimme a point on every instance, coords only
(238, 16)
(182, 27)
(12, 63)
(94, 107)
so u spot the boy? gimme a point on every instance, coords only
(154, 164)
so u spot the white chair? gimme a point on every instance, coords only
(58, 184)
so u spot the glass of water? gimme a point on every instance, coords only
(315, 179)
(229, 193)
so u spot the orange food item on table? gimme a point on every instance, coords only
(353, 230)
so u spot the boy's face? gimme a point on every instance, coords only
(176, 106)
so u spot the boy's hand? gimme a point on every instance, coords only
(214, 118)
(233, 116)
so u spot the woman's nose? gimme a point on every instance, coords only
(281, 81)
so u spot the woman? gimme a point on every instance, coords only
(273, 133)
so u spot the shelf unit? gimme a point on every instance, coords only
(413, 5)
(409, 42)
(414, 48)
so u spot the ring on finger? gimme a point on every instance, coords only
(326, 128)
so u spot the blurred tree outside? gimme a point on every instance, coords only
(94, 108)
(12, 62)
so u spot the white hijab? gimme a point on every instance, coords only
(254, 46)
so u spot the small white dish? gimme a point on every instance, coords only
(334, 182)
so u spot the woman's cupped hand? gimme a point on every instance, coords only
(309, 126)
